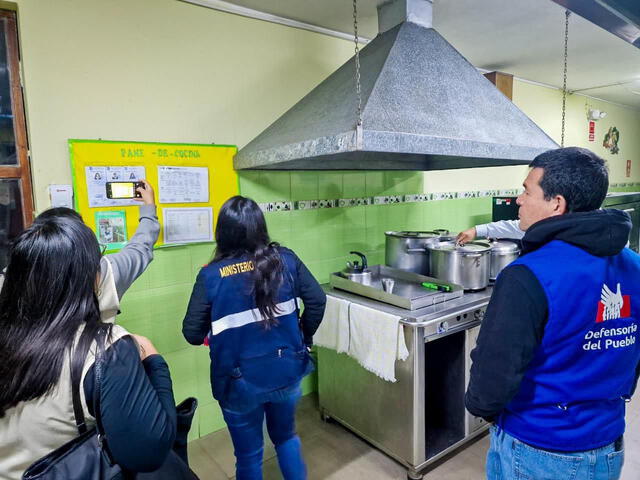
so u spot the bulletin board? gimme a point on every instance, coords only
(128, 157)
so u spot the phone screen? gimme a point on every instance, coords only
(121, 189)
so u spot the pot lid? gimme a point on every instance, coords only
(410, 234)
(505, 246)
(476, 246)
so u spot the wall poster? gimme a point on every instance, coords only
(111, 229)
(183, 184)
(187, 225)
(611, 140)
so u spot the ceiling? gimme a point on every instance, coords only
(521, 37)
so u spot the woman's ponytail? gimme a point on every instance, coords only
(268, 274)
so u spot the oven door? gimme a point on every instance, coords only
(446, 370)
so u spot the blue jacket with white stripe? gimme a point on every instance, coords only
(249, 361)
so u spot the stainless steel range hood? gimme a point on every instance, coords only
(424, 107)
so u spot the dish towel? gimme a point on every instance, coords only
(333, 332)
(376, 340)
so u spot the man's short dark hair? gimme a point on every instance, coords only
(578, 174)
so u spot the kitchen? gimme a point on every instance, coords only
(177, 72)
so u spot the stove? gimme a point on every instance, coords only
(421, 417)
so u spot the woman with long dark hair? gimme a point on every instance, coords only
(49, 317)
(245, 303)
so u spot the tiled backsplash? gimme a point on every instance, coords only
(322, 237)
(329, 214)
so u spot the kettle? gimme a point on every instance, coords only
(358, 271)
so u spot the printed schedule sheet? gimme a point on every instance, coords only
(183, 184)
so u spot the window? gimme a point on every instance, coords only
(16, 202)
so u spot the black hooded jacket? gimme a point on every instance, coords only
(516, 316)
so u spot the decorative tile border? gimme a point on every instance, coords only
(283, 206)
(276, 206)
(623, 185)
(354, 202)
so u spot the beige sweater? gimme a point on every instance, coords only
(30, 430)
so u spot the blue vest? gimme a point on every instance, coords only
(572, 397)
(249, 363)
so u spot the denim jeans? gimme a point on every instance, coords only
(510, 459)
(245, 427)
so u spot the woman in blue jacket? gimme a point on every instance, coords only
(245, 303)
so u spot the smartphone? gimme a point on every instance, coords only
(123, 189)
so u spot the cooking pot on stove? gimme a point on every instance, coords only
(467, 265)
(358, 271)
(408, 250)
(503, 252)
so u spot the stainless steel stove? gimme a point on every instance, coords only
(421, 417)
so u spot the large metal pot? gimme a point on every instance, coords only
(503, 252)
(467, 265)
(408, 250)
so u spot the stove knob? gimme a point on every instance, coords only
(443, 326)
(478, 315)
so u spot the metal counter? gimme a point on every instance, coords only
(421, 417)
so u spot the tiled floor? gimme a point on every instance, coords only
(334, 453)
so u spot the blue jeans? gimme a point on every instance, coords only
(510, 459)
(245, 428)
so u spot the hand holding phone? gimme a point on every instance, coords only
(120, 190)
(140, 191)
(145, 192)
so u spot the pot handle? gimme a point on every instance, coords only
(473, 255)
(416, 250)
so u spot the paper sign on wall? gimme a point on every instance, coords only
(61, 196)
(186, 225)
(183, 184)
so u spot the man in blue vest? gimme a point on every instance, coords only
(558, 350)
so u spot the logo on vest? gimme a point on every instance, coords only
(613, 305)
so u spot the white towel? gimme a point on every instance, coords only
(333, 332)
(376, 340)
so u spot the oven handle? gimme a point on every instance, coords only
(451, 331)
(412, 323)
